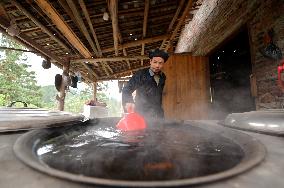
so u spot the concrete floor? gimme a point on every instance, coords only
(13, 173)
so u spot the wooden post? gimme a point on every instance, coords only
(95, 91)
(62, 93)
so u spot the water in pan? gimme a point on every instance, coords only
(164, 151)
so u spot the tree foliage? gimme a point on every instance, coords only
(76, 98)
(17, 83)
(49, 97)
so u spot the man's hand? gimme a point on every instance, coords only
(129, 107)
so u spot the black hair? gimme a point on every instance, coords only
(159, 53)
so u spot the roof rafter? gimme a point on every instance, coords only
(180, 22)
(87, 16)
(68, 33)
(112, 5)
(40, 25)
(81, 25)
(123, 72)
(137, 43)
(123, 58)
(28, 42)
(181, 3)
(146, 11)
(49, 24)
(64, 28)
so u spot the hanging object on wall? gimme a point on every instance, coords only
(121, 84)
(57, 81)
(270, 50)
(281, 76)
(46, 64)
(105, 16)
(64, 80)
(13, 29)
(74, 80)
(79, 76)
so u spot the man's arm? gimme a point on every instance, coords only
(130, 87)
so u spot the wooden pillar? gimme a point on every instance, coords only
(95, 91)
(62, 93)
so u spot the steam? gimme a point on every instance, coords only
(230, 99)
(166, 150)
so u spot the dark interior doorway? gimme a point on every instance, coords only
(230, 70)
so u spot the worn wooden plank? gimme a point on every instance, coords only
(114, 18)
(82, 26)
(87, 16)
(173, 21)
(122, 58)
(180, 22)
(39, 24)
(137, 43)
(68, 33)
(63, 27)
(145, 21)
(187, 87)
(28, 42)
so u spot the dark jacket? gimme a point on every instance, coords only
(148, 100)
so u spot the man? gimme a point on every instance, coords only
(149, 84)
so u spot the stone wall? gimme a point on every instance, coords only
(269, 15)
(217, 20)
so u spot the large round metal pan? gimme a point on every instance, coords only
(254, 152)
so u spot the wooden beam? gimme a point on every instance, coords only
(85, 75)
(90, 71)
(69, 13)
(67, 9)
(19, 41)
(137, 43)
(67, 32)
(49, 24)
(123, 72)
(146, 11)
(114, 19)
(63, 27)
(16, 49)
(119, 79)
(145, 21)
(31, 29)
(96, 60)
(3, 13)
(173, 20)
(104, 67)
(181, 3)
(38, 23)
(62, 93)
(116, 30)
(109, 68)
(180, 22)
(94, 91)
(81, 25)
(87, 16)
(127, 61)
(28, 42)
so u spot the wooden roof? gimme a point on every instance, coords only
(74, 33)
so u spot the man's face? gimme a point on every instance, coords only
(156, 64)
